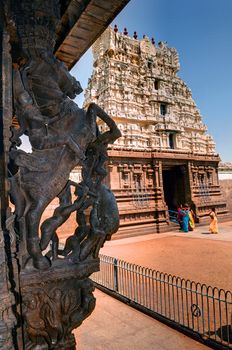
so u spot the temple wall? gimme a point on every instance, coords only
(136, 179)
(136, 185)
(225, 181)
(226, 187)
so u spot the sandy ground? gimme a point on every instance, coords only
(197, 256)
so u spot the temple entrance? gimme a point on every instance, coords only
(175, 186)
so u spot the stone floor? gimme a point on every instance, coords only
(197, 255)
(115, 326)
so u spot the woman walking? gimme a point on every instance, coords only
(191, 220)
(213, 227)
(185, 218)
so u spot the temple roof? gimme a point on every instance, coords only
(83, 21)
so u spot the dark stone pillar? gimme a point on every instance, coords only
(8, 263)
(44, 285)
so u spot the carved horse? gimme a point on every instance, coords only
(58, 142)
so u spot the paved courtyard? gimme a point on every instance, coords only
(196, 255)
(116, 326)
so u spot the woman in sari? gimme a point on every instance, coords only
(185, 218)
(191, 220)
(213, 227)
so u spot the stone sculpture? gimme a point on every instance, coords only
(59, 143)
(56, 292)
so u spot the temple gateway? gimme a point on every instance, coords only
(165, 157)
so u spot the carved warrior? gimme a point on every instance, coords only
(56, 291)
(59, 143)
(62, 136)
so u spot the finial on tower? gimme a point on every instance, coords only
(125, 32)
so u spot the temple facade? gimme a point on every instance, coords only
(165, 157)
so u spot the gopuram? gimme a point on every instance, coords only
(45, 289)
(165, 157)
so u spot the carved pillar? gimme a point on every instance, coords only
(156, 166)
(8, 268)
(55, 293)
(53, 308)
(120, 171)
(159, 174)
(191, 181)
(161, 209)
(151, 177)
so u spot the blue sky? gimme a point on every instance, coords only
(201, 31)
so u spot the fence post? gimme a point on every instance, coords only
(115, 274)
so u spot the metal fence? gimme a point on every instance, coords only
(173, 215)
(196, 307)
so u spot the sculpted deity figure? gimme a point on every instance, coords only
(62, 136)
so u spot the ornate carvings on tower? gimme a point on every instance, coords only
(137, 82)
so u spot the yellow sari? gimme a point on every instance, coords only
(191, 221)
(213, 227)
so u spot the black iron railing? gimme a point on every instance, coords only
(196, 307)
(173, 215)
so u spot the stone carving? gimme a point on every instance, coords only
(136, 81)
(149, 73)
(51, 313)
(59, 143)
(62, 137)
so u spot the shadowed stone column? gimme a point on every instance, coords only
(44, 284)
(8, 264)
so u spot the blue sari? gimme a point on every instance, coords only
(185, 218)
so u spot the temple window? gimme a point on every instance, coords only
(172, 141)
(210, 180)
(156, 84)
(201, 176)
(163, 109)
(149, 64)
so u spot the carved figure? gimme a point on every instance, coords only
(56, 293)
(104, 221)
(104, 216)
(59, 137)
(61, 214)
(51, 312)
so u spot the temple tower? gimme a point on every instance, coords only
(165, 157)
